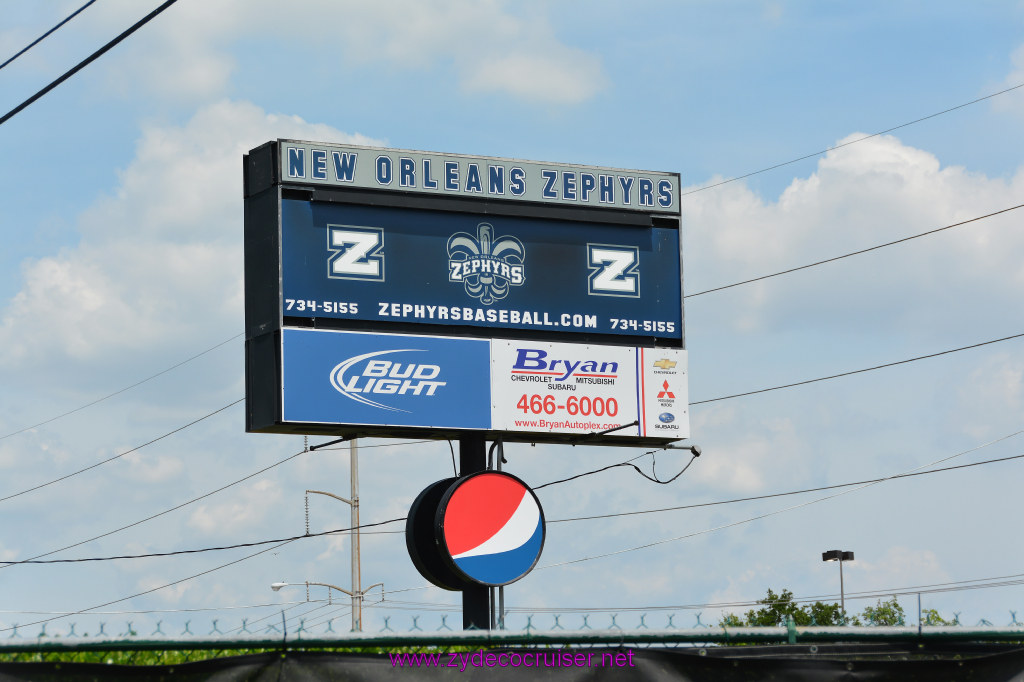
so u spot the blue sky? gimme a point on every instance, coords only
(122, 256)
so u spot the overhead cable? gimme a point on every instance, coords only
(859, 371)
(180, 552)
(4, 564)
(792, 492)
(118, 456)
(85, 62)
(149, 591)
(768, 514)
(188, 502)
(120, 391)
(46, 35)
(653, 479)
(847, 144)
(855, 253)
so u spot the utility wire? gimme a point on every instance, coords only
(166, 511)
(205, 549)
(771, 513)
(120, 391)
(45, 35)
(854, 253)
(953, 586)
(859, 371)
(149, 591)
(653, 479)
(148, 611)
(859, 139)
(184, 504)
(126, 452)
(581, 518)
(792, 492)
(85, 62)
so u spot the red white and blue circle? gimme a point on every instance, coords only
(492, 527)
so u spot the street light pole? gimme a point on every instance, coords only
(353, 503)
(840, 556)
(357, 597)
(357, 601)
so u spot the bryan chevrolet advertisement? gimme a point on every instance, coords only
(355, 378)
(384, 264)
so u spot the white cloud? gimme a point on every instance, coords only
(245, 509)
(900, 566)
(7, 554)
(1013, 101)
(148, 469)
(491, 46)
(160, 259)
(868, 193)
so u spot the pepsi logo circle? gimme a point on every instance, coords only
(491, 526)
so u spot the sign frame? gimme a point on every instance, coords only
(267, 185)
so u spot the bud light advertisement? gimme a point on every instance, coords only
(392, 380)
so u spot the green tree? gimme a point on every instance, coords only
(932, 617)
(775, 610)
(821, 613)
(885, 613)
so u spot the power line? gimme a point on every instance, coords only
(142, 612)
(120, 391)
(204, 549)
(854, 253)
(859, 371)
(859, 139)
(166, 511)
(126, 452)
(953, 586)
(653, 479)
(771, 513)
(85, 62)
(792, 492)
(149, 591)
(581, 518)
(183, 504)
(46, 35)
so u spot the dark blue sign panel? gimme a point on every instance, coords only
(383, 264)
(333, 377)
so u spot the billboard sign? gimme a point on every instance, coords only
(393, 265)
(524, 389)
(399, 293)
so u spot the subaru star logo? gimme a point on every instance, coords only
(666, 417)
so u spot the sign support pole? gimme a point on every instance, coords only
(476, 601)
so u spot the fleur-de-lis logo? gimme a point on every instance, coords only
(486, 266)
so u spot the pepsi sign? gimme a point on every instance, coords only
(491, 528)
(483, 529)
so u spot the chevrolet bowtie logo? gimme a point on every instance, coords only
(665, 363)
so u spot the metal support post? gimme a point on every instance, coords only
(476, 606)
(357, 593)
